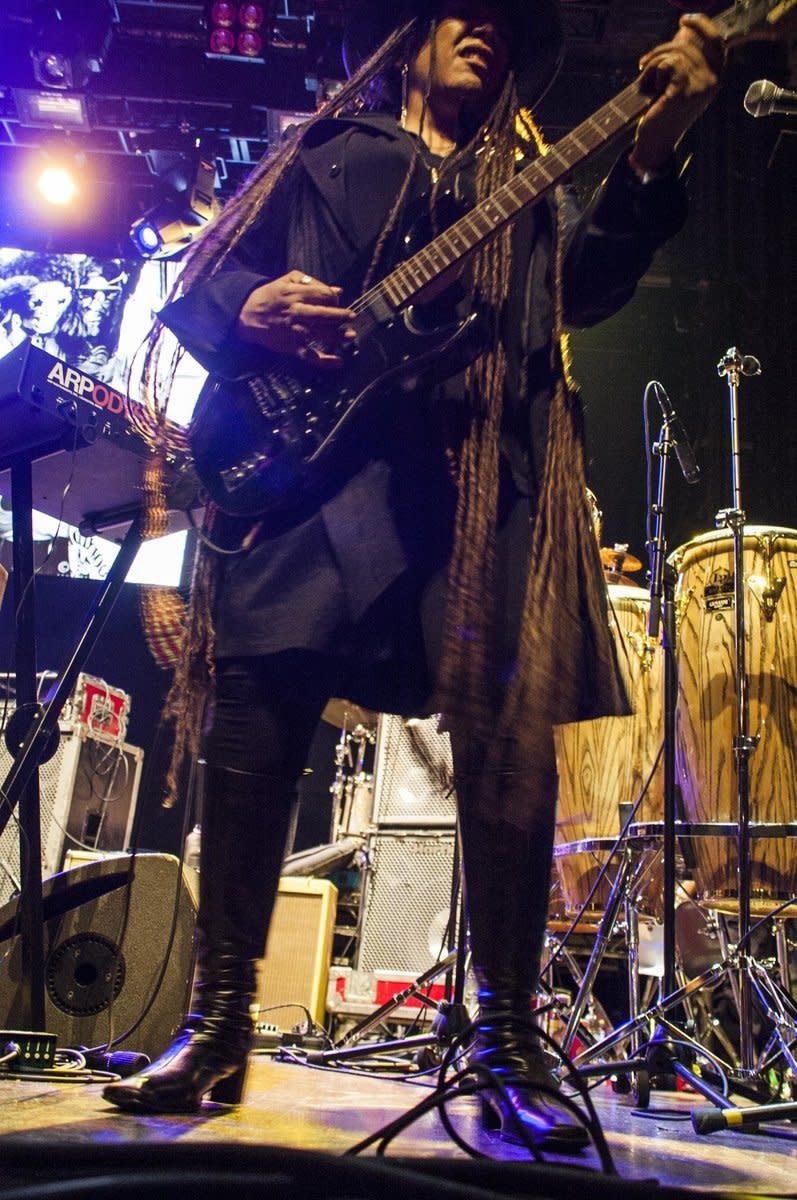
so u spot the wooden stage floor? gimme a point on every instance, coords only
(291, 1105)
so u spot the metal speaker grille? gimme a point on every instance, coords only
(406, 901)
(413, 774)
(71, 786)
(55, 788)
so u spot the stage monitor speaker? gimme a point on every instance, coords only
(413, 774)
(406, 901)
(88, 792)
(112, 966)
(295, 970)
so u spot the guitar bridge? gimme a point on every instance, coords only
(239, 474)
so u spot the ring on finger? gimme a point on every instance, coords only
(306, 279)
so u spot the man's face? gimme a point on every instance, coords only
(471, 52)
(46, 305)
(95, 299)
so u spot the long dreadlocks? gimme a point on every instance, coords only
(463, 690)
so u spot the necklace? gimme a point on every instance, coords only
(430, 160)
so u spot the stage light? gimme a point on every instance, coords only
(235, 29)
(250, 16)
(146, 236)
(69, 42)
(57, 185)
(170, 227)
(249, 43)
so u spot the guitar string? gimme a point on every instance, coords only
(612, 114)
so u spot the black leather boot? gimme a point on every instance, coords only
(245, 819)
(507, 874)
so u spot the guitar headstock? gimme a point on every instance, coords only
(757, 20)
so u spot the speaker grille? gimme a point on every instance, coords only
(413, 775)
(88, 913)
(87, 798)
(406, 902)
(296, 967)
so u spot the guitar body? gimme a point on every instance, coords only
(263, 442)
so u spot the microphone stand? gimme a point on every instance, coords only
(733, 365)
(662, 1056)
(661, 614)
(751, 977)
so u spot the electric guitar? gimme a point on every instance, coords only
(263, 442)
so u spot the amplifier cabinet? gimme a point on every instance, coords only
(118, 953)
(295, 970)
(406, 901)
(413, 775)
(88, 794)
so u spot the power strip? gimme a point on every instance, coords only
(36, 1051)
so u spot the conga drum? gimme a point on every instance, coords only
(707, 714)
(604, 764)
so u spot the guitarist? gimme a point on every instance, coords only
(449, 566)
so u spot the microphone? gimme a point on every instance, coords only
(764, 98)
(683, 450)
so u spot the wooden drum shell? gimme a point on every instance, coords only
(706, 716)
(605, 763)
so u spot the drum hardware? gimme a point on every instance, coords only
(343, 714)
(601, 764)
(617, 559)
(635, 854)
(352, 785)
(452, 1017)
(748, 973)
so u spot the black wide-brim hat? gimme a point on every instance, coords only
(536, 45)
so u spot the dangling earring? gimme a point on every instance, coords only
(405, 73)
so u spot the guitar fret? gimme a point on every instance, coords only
(247, 487)
(541, 167)
(577, 141)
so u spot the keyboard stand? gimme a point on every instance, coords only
(32, 734)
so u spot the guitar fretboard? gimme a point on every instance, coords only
(487, 220)
(468, 234)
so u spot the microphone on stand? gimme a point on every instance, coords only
(763, 98)
(680, 442)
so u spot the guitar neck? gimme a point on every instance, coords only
(491, 216)
(472, 231)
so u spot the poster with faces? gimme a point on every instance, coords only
(96, 315)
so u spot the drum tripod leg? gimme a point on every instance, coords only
(602, 937)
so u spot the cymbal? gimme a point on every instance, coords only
(345, 715)
(614, 577)
(619, 560)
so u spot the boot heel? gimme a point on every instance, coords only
(230, 1089)
(490, 1119)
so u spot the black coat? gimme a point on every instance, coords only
(311, 586)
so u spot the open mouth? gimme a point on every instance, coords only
(478, 55)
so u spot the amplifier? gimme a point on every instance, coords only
(118, 946)
(406, 900)
(88, 794)
(293, 975)
(413, 774)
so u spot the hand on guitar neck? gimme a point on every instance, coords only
(684, 76)
(296, 314)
